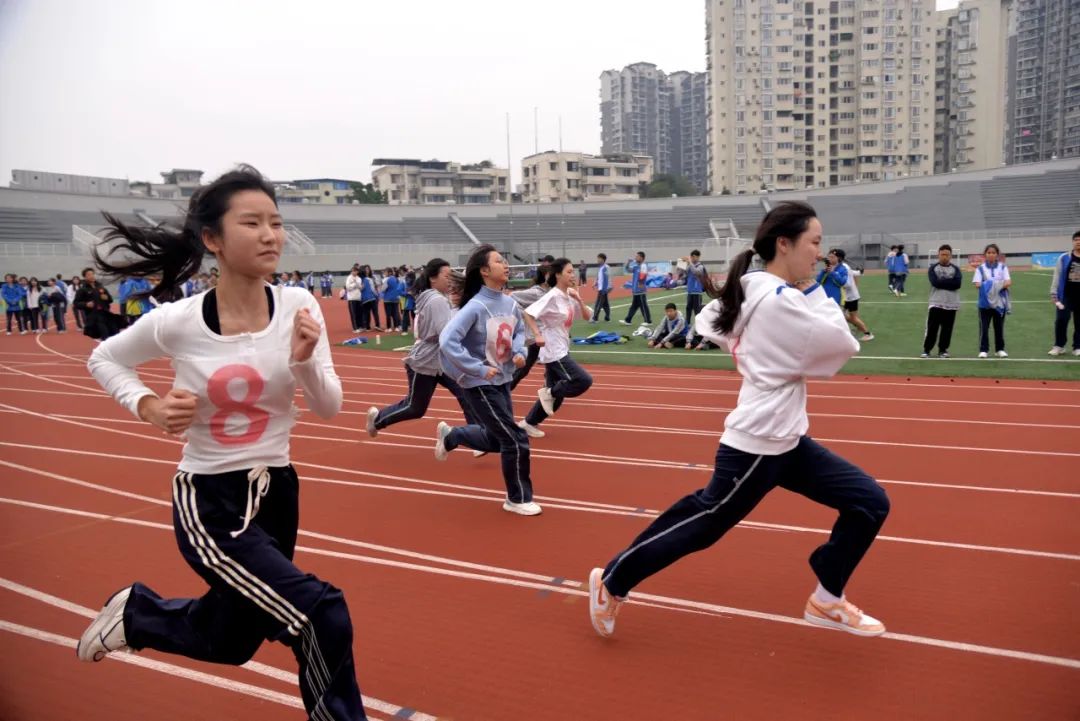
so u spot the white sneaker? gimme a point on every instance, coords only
(867, 336)
(1076, 351)
(625, 322)
(924, 355)
(523, 509)
(842, 616)
(440, 440)
(983, 355)
(1056, 350)
(531, 430)
(1002, 354)
(603, 607)
(479, 454)
(547, 401)
(105, 633)
(372, 415)
(357, 330)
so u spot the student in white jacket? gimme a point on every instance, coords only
(352, 296)
(781, 329)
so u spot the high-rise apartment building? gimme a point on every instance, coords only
(970, 90)
(1043, 81)
(813, 93)
(689, 108)
(635, 113)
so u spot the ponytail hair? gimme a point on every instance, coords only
(176, 254)
(789, 219)
(555, 268)
(429, 271)
(465, 287)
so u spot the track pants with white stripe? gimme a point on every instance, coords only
(415, 404)
(566, 379)
(739, 482)
(496, 431)
(256, 593)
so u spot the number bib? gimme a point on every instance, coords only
(500, 340)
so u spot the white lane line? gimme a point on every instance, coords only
(571, 506)
(670, 603)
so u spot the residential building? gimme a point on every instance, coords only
(1043, 81)
(552, 176)
(970, 90)
(434, 182)
(317, 191)
(689, 109)
(815, 93)
(635, 113)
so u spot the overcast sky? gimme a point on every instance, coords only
(128, 88)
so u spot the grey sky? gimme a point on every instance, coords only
(128, 88)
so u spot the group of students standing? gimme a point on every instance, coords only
(363, 291)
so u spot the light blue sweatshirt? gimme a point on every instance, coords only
(464, 343)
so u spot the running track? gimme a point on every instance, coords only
(463, 611)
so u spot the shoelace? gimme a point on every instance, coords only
(258, 486)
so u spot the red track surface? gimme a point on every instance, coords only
(463, 611)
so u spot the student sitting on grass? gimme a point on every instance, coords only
(671, 330)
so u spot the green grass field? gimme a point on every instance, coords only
(897, 324)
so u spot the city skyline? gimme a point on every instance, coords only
(276, 88)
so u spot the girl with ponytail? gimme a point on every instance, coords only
(480, 347)
(239, 351)
(781, 329)
(423, 367)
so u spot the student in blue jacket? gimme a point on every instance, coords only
(900, 271)
(833, 277)
(639, 274)
(15, 300)
(1065, 293)
(391, 296)
(480, 347)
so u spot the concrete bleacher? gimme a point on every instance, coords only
(1031, 201)
(1030, 207)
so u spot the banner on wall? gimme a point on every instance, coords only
(1044, 260)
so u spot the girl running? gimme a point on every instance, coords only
(550, 319)
(481, 346)
(239, 352)
(993, 281)
(423, 366)
(781, 328)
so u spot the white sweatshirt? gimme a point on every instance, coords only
(245, 384)
(782, 337)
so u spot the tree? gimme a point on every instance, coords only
(366, 194)
(665, 185)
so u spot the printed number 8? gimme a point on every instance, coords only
(504, 342)
(217, 390)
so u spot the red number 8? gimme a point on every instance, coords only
(504, 343)
(217, 390)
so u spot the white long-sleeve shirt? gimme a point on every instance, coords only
(782, 337)
(244, 384)
(554, 314)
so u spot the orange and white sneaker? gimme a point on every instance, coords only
(603, 607)
(843, 616)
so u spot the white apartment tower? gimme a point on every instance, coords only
(815, 93)
(970, 89)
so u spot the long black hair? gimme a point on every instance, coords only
(176, 254)
(789, 219)
(555, 268)
(469, 285)
(429, 271)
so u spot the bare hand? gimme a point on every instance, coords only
(519, 361)
(172, 414)
(492, 372)
(573, 293)
(306, 332)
